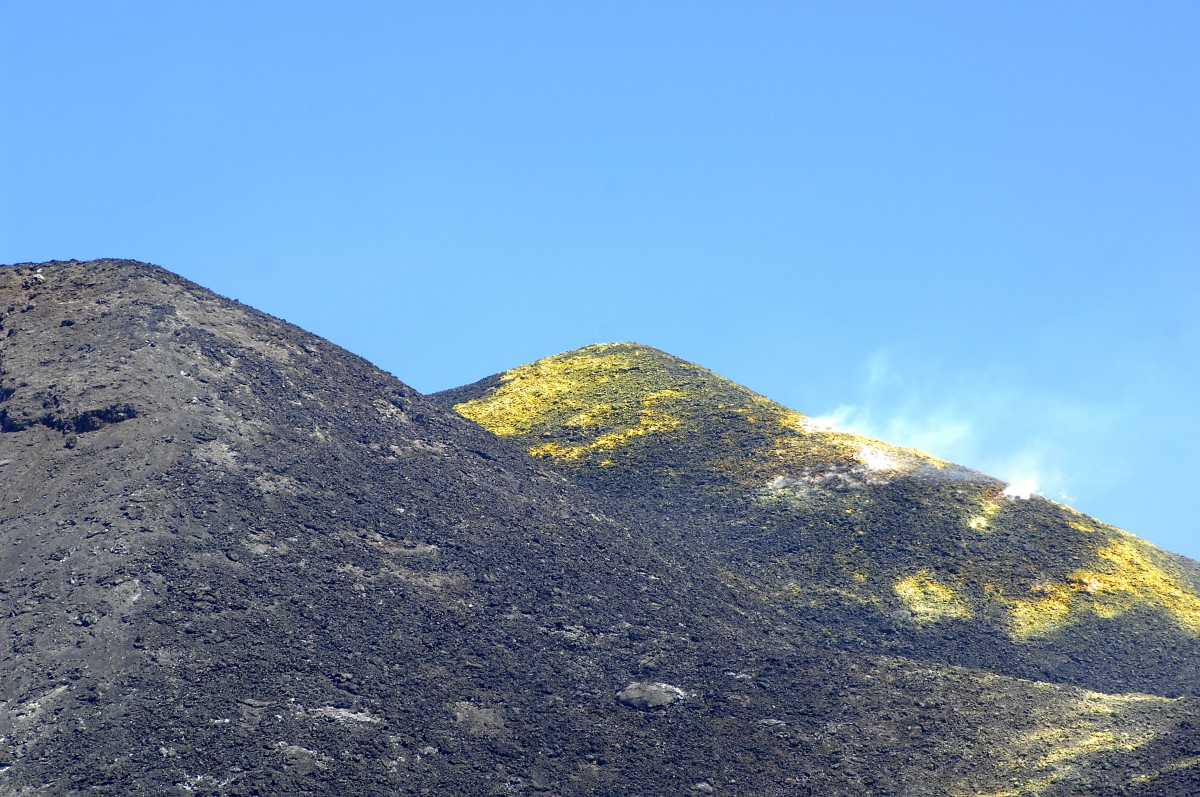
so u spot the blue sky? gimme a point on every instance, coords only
(969, 227)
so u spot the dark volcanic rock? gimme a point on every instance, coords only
(237, 560)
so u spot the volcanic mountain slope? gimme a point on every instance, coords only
(876, 546)
(859, 544)
(237, 560)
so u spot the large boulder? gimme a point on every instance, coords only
(645, 695)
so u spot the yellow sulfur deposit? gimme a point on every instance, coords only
(532, 394)
(988, 508)
(1068, 735)
(929, 600)
(1125, 576)
(599, 388)
(607, 442)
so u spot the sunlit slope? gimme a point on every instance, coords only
(885, 546)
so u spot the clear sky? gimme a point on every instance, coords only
(970, 227)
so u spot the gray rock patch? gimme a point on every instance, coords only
(645, 695)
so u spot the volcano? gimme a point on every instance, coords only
(238, 560)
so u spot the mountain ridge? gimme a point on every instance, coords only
(275, 569)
